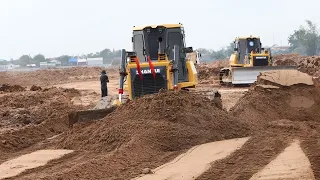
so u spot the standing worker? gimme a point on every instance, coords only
(104, 80)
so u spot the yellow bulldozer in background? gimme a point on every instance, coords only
(158, 61)
(248, 60)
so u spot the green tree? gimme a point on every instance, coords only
(218, 55)
(3, 62)
(64, 59)
(305, 40)
(24, 60)
(229, 49)
(205, 51)
(38, 58)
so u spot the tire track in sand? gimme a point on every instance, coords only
(311, 148)
(255, 154)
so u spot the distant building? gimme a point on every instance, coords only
(73, 61)
(9, 67)
(47, 65)
(56, 62)
(82, 62)
(31, 65)
(95, 61)
(275, 49)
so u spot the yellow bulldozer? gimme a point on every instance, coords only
(247, 61)
(158, 61)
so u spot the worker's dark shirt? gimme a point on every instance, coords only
(104, 79)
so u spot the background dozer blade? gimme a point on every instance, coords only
(88, 115)
(248, 75)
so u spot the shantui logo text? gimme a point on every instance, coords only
(148, 71)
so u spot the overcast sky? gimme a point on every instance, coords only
(57, 27)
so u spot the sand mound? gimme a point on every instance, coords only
(209, 73)
(156, 128)
(306, 64)
(29, 116)
(296, 103)
(11, 88)
(286, 59)
(276, 117)
(158, 118)
(284, 78)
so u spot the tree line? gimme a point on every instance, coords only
(305, 41)
(107, 54)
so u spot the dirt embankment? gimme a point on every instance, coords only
(306, 64)
(31, 116)
(276, 116)
(209, 73)
(53, 76)
(146, 133)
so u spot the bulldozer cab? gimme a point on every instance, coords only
(150, 41)
(244, 46)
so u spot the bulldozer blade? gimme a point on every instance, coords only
(248, 75)
(88, 115)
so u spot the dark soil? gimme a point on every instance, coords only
(11, 88)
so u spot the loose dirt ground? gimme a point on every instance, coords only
(292, 163)
(28, 161)
(156, 129)
(196, 161)
(90, 91)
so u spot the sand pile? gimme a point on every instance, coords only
(29, 116)
(286, 59)
(306, 64)
(277, 114)
(209, 73)
(311, 66)
(53, 76)
(158, 115)
(149, 131)
(284, 78)
(11, 88)
(296, 103)
(292, 96)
